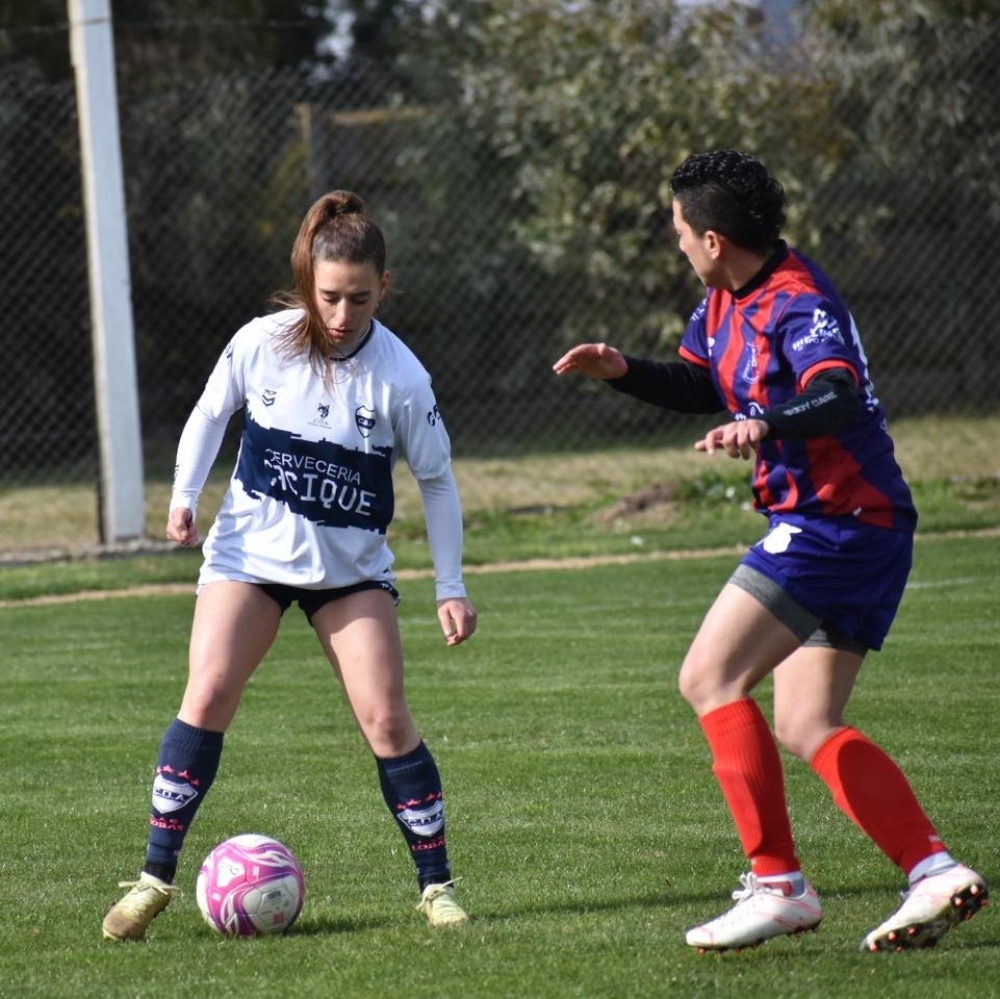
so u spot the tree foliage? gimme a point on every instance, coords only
(916, 80)
(173, 37)
(914, 90)
(185, 36)
(592, 104)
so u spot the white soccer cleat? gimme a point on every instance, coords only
(439, 904)
(933, 906)
(762, 911)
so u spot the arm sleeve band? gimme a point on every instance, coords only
(197, 450)
(677, 385)
(443, 513)
(828, 404)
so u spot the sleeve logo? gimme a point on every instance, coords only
(824, 328)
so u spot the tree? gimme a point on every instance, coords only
(590, 105)
(183, 37)
(173, 36)
(914, 86)
(916, 82)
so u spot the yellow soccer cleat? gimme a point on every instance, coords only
(129, 918)
(439, 905)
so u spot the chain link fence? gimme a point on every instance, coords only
(218, 172)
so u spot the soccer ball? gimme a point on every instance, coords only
(250, 885)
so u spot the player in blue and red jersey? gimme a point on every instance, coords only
(774, 344)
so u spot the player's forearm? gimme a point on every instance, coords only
(196, 452)
(443, 513)
(677, 385)
(828, 404)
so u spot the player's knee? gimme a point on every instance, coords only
(389, 732)
(797, 735)
(210, 706)
(697, 685)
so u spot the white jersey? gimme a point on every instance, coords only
(311, 497)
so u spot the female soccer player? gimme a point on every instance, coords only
(773, 343)
(330, 398)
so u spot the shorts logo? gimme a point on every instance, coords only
(780, 539)
(169, 795)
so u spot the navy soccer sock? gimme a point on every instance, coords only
(187, 764)
(411, 786)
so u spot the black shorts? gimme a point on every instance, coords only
(312, 600)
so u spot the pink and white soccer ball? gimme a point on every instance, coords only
(250, 885)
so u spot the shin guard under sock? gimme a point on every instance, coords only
(873, 792)
(411, 786)
(748, 768)
(187, 764)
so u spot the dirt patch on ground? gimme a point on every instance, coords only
(656, 503)
(527, 565)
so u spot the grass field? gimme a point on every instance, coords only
(575, 503)
(584, 820)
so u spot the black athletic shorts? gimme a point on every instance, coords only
(312, 600)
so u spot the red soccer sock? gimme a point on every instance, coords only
(873, 792)
(748, 768)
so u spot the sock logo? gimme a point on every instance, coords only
(170, 795)
(423, 821)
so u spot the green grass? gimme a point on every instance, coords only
(704, 510)
(561, 504)
(583, 816)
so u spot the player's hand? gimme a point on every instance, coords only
(182, 528)
(595, 360)
(738, 439)
(458, 619)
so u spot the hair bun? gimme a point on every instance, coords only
(344, 203)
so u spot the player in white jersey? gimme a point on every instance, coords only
(330, 399)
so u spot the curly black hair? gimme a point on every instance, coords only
(733, 194)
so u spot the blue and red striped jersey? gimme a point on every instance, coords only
(762, 346)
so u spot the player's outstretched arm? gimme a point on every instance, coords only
(594, 360)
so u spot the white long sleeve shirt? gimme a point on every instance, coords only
(311, 497)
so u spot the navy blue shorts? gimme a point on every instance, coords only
(312, 600)
(850, 575)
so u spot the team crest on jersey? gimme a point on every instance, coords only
(322, 412)
(365, 420)
(268, 396)
(750, 373)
